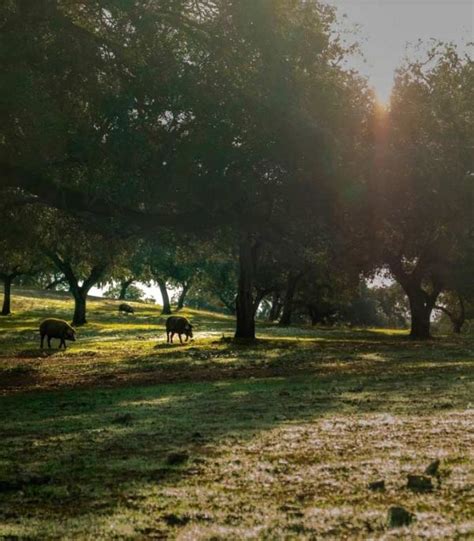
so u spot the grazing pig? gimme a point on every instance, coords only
(57, 328)
(124, 307)
(178, 325)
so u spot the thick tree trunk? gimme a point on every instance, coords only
(292, 283)
(420, 309)
(182, 295)
(7, 292)
(166, 299)
(80, 307)
(245, 305)
(421, 301)
(124, 285)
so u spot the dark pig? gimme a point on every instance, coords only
(178, 325)
(56, 328)
(124, 307)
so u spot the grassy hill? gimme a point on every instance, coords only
(124, 436)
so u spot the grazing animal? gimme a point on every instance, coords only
(178, 325)
(56, 328)
(124, 307)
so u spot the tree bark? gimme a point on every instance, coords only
(166, 299)
(80, 306)
(124, 285)
(421, 302)
(7, 289)
(420, 316)
(245, 305)
(182, 295)
(291, 286)
(275, 310)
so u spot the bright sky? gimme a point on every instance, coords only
(386, 26)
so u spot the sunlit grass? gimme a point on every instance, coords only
(125, 436)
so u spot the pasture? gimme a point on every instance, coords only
(124, 436)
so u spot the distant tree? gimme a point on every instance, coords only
(85, 258)
(393, 305)
(132, 293)
(217, 282)
(423, 193)
(19, 254)
(132, 268)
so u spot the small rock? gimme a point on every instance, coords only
(398, 516)
(377, 485)
(432, 469)
(177, 457)
(419, 483)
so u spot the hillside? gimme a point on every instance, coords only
(124, 436)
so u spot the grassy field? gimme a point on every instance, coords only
(125, 437)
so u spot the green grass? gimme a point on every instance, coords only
(123, 436)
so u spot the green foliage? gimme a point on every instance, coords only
(133, 293)
(422, 192)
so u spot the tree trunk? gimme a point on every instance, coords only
(457, 326)
(314, 315)
(7, 291)
(275, 310)
(288, 301)
(80, 300)
(420, 309)
(124, 285)
(78, 292)
(166, 299)
(421, 302)
(182, 295)
(457, 320)
(245, 305)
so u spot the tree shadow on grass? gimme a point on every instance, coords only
(90, 449)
